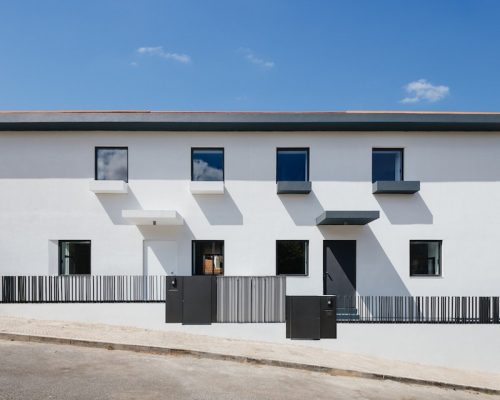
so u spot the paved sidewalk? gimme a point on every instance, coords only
(291, 356)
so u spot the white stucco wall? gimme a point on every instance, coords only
(470, 347)
(45, 197)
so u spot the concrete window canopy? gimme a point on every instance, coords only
(347, 217)
(396, 187)
(108, 187)
(293, 187)
(153, 217)
(207, 187)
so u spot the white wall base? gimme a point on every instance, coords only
(468, 347)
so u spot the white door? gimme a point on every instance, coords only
(160, 257)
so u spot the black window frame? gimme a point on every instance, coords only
(108, 148)
(402, 152)
(193, 149)
(307, 149)
(59, 255)
(306, 272)
(440, 242)
(193, 256)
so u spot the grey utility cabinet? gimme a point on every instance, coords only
(191, 300)
(311, 317)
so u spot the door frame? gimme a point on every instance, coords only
(355, 261)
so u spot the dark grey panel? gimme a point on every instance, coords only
(213, 300)
(347, 217)
(293, 187)
(305, 317)
(396, 187)
(173, 302)
(250, 121)
(339, 267)
(288, 315)
(328, 317)
(197, 306)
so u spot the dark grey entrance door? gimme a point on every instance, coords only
(339, 267)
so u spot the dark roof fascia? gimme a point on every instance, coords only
(187, 121)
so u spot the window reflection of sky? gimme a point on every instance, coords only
(208, 165)
(386, 165)
(112, 164)
(292, 165)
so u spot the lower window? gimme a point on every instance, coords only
(74, 257)
(208, 257)
(292, 257)
(425, 257)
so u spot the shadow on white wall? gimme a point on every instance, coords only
(376, 275)
(303, 209)
(219, 209)
(403, 209)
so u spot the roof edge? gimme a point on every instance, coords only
(249, 121)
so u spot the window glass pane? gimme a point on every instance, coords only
(387, 165)
(74, 257)
(425, 257)
(292, 165)
(208, 165)
(208, 257)
(291, 257)
(112, 164)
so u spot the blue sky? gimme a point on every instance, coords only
(283, 55)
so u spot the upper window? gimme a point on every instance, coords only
(292, 257)
(292, 165)
(74, 257)
(425, 257)
(207, 164)
(387, 165)
(111, 163)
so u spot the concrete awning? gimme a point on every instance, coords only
(347, 217)
(153, 217)
(109, 187)
(396, 187)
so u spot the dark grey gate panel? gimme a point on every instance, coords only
(304, 317)
(288, 315)
(173, 307)
(339, 267)
(328, 317)
(198, 307)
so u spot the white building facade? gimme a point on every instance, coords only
(197, 193)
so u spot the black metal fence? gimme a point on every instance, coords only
(82, 289)
(420, 309)
(249, 299)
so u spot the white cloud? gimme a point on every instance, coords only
(251, 57)
(159, 52)
(204, 172)
(423, 90)
(112, 164)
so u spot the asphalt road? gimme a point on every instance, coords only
(41, 371)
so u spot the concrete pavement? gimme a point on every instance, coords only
(291, 356)
(46, 371)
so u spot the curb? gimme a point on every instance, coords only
(240, 359)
